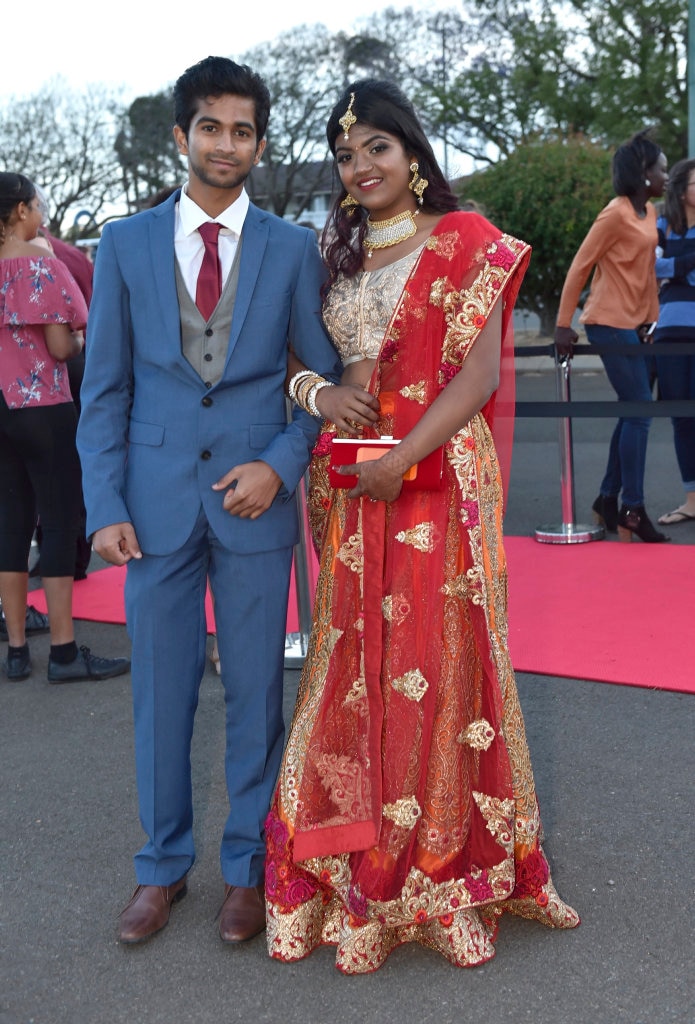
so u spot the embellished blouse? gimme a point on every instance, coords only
(359, 309)
(35, 290)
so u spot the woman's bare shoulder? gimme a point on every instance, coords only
(15, 249)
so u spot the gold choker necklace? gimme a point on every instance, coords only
(381, 234)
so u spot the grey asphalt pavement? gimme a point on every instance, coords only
(614, 770)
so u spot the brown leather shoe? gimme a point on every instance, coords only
(242, 914)
(148, 911)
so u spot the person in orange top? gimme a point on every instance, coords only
(622, 302)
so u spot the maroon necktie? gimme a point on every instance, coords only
(209, 286)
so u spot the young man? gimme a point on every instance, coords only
(189, 471)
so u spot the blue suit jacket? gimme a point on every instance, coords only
(152, 437)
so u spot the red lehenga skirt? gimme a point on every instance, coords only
(405, 809)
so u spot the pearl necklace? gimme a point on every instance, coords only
(381, 234)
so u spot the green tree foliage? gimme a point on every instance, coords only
(520, 89)
(605, 69)
(146, 149)
(547, 193)
(636, 56)
(489, 77)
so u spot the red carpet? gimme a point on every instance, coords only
(99, 598)
(610, 612)
(603, 611)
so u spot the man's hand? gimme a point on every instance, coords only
(117, 544)
(252, 488)
(565, 340)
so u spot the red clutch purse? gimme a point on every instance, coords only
(426, 475)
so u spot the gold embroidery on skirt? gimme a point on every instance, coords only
(395, 608)
(412, 685)
(417, 392)
(478, 735)
(357, 691)
(352, 554)
(405, 813)
(498, 815)
(423, 537)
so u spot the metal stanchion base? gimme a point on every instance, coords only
(295, 649)
(569, 533)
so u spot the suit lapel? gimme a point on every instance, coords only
(255, 240)
(163, 258)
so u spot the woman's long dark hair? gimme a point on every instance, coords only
(674, 208)
(631, 162)
(382, 105)
(14, 189)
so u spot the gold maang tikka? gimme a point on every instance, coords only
(416, 183)
(348, 119)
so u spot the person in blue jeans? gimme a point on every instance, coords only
(675, 269)
(623, 301)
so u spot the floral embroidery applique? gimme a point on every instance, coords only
(405, 813)
(478, 735)
(423, 537)
(412, 685)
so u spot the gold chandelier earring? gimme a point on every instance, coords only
(416, 183)
(349, 203)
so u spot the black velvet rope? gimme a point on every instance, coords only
(611, 410)
(661, 348)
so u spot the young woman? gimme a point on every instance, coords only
(406, 809)
(675, 268)
(42, 313)
(622, 302)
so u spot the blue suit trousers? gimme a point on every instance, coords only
(165, 609)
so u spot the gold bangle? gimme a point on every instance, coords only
(292, 386)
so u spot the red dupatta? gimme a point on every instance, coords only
(382, 613)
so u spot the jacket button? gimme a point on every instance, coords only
(205, 455)
(207, 357)
(207, 401)
(209, 332)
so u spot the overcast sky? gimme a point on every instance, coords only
(145, 47)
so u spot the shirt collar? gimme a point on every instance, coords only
(232, 218)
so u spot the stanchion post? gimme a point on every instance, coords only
(296, 644)
(568, 532)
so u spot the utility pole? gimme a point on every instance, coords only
(691, 77)
(446, 25)
(445, 85)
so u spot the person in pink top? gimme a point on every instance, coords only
(42, 315)
(82, 269)
(623, 301)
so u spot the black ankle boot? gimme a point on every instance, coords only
(634, 522)
(606, 510)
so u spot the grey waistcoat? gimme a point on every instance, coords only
(204, 345)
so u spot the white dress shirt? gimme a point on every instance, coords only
(188, 243)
